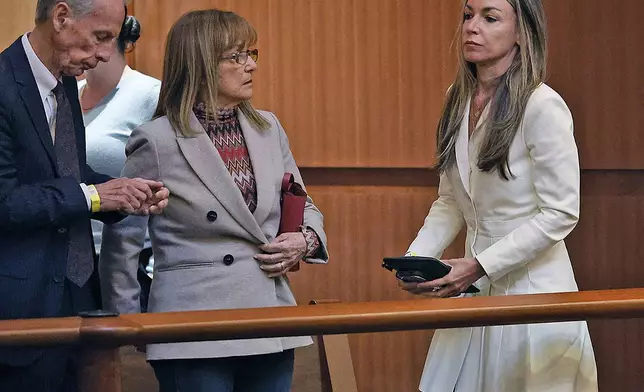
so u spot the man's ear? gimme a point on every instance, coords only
(61, 15)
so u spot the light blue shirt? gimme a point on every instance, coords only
(108, 126)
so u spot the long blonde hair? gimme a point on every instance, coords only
(194, 46)
(527, 72)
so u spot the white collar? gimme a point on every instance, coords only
(45, 80)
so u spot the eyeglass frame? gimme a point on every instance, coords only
(248, 52)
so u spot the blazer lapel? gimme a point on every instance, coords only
(462, 153)
(31, 98)
(261, 153)
(203, 157)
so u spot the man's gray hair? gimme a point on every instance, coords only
(79, 8)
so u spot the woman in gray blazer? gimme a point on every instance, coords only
(217, 245)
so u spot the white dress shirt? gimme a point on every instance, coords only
(46, 83)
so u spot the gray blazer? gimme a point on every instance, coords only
(204, 241)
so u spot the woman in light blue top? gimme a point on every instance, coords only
(115, 100)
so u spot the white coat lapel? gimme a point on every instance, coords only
(462, 150)
(203, 157)
(262, 150)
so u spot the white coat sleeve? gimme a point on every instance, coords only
(442, 224)
(548, 134)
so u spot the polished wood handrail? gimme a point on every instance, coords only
(324, 319)
(36, 332)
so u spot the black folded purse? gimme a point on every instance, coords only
(419, 269)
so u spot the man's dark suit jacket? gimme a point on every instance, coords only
(37, 205)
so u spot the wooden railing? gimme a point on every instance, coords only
(100, 337)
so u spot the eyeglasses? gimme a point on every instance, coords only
(242, 57)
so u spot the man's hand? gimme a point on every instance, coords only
(132, 196)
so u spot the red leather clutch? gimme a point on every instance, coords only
(293, 200)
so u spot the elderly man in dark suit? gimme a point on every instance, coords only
(47, 192)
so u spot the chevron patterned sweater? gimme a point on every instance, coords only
(228, 138)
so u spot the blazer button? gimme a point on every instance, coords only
(211, 216)
(62, 230)
(229, 259)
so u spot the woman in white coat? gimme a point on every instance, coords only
(510, 174)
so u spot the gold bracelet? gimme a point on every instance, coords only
(94, 198)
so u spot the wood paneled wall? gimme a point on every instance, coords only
(596, 68)
(596, 65)
(16, 18)
(358, 85)
(350, 77)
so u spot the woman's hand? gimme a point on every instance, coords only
(283, 253)
(464, 272)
